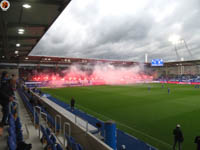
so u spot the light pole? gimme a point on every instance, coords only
(176, 39)
(186, 46)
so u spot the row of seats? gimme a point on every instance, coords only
(49, 139)
(29, 107)
(50, 119)
(14, 130)
(71, 144)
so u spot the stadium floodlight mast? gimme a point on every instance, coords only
(176, 39)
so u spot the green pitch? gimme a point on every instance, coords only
(148, 115)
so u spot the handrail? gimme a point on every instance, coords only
(45, 114)
(57, 116)
(87, 124)
(75, 119)
(86, 127)
(27, 130)
(64, 131)
(37, 107)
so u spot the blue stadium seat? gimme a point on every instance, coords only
(59, 147)
(53, 139)
(11, 143)
(79, 147)
(48, 131)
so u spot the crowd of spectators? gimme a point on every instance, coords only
(180, 78)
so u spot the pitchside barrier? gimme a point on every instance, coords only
(180, 82)
(32, 84)
(86, 138)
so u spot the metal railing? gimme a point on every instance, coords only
(45, 115)
(39, 116)
(57, 117)
(66, 124)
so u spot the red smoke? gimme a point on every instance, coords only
(100, 75)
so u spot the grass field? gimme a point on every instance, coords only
(149, 115)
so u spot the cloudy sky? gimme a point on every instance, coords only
(125, 30)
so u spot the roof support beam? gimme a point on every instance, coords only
(13, 25)
(47, 2)
(64, 4)
(23, 37)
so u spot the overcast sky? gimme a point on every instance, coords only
(124, 30)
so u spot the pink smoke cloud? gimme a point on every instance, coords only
(99, 74)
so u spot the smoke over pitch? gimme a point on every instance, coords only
(99, 74)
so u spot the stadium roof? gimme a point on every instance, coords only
(22, 27)
(64, 61)
(83, 33)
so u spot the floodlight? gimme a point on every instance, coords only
(174, 39)
(21, 30)
(27, 6)
(18, 45)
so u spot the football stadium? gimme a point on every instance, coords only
(99, 75)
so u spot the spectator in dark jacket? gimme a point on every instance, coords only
(178, 137)
(72, 103)
(4, 79)
(197, 141)
(33, 100)
(6, 95)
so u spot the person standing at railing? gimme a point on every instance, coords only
(197, 141)
(72, 104)
(178, 137)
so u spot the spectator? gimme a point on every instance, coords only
(40, 93)
(72, 103)
(178, 137)
(33, 101)
(6, 95)
(98, 125)
(4, 79)
(29, 91)
(197, 141)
